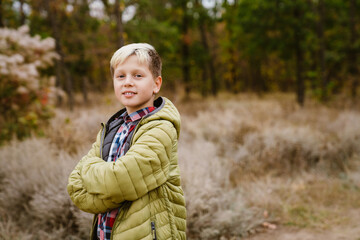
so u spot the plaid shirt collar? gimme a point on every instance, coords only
(132, 117)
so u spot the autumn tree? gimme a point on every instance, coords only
(26, 89)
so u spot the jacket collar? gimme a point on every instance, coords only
(158, 103)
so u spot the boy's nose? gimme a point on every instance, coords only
(128, 81)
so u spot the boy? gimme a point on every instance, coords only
(130, 178)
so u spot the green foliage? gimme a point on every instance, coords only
(249, 45)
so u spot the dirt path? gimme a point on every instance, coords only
(350, 231)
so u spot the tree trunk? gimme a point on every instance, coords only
(115, 12)
(118, 10)
(300, 84)
(353, 50)
(60, 64)
(1, 14)
(107, 7)
(211, 64)
(69, 86)
(58, 82)
(214, 81)
(204, 84)
(204, 67)
(22, 14)
(185, 51)
(104, 76)
(209, 58)
(233, 82)
(82, 14)
(299, 78)
(321, 51)
(257, 81)
(233, 66)
(85, 83)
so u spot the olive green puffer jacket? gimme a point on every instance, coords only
(144, 183)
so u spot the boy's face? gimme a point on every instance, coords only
(134, 84)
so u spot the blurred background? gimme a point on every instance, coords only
(270, 88)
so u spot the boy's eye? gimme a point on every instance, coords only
(121, 76)
(138, 75)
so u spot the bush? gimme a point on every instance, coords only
(33, 193)
(26, 91)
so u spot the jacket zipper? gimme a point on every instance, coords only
(153, 230)
(121, 214)
(118, 217)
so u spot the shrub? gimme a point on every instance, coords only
(26, 91)
(34, 203)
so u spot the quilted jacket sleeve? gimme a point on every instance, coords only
(79, 195)
(143, 168)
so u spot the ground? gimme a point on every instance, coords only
(349, 231)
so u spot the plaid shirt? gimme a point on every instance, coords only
(106, 220)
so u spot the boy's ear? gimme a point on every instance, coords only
(158, 82)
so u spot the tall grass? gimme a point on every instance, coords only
(244, 161)
(33, 193)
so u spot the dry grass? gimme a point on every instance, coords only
(244, 161)
(246, 156)
(33, 193)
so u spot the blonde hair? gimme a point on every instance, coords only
(146, 55)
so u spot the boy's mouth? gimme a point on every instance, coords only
(127, 93)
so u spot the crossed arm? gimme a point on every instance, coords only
(97, 186)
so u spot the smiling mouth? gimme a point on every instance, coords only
(129, 93)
